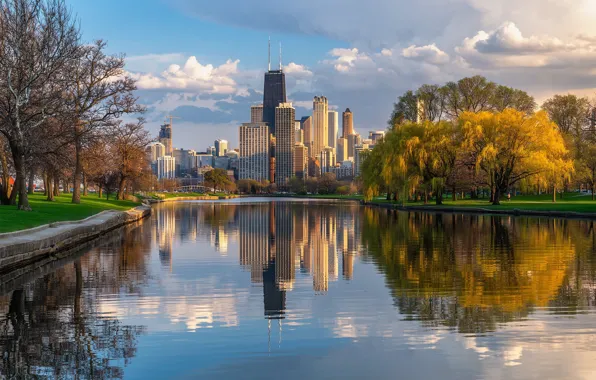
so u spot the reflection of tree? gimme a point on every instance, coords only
(53, 326)
(470, 272)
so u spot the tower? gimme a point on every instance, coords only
(332, 124)
(320, 125)
(284, 143)
(165, 137)
(347, 123)
(274, 92)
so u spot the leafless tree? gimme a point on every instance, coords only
(39, 40)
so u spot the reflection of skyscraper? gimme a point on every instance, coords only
(253, 222)
(347, 265)
(321, 256)
(166, 228)
(285, 249)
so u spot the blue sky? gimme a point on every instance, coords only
(204, 60)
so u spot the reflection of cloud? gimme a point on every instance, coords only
(346, 327)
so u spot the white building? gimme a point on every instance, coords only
(221, 147)
(327, 160)
(166, 167)
(254, 151)
(320, 125)
(333, 128)
(155, 151)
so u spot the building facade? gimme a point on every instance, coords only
(320, 125)
(307, 136)
(347, 126)
(327, 160)
(342, 149)
(254, 151)
(221, 147)
(332, 125)
(300, 160)
(166, 167)
(274, 93)
(353, 140)
(284, 143)
(256, 113)
(156, 150)
(165, 137)
(376, 136)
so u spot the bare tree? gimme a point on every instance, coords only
(38, 41)
(100, 93)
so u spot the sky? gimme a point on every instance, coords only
(203, 61)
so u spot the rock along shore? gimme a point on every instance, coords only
(26, 246)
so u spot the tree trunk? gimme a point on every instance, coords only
(45, 183)
(439, 197)
(50, 187)
(492, 194)
(554, 193)
(496, 196)
(85, 190)
(594, 190)
(5, 180)
(453, 194)
(56, 186)
(100, 191)
(18, 158)
(120, 195)
(31, 182)
(76, 192)
(425, 196)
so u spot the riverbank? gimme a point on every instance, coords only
(179, 197)
(23, 247)
(60, 210)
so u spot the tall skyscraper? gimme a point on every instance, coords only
(332, 125)
(353, 140)
(254, 151)
(320, 125)
(221, 147)
(347, 127)
(166, 167)
(300, 160)
(306, 126)
(342, 149)
(256, 113)
(155, 151)
(274, 93)
(284, 143)
(327, 160)
(165, 137)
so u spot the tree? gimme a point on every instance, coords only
(473, 94)
(297, 185)
(328, 184)
(432, 100)
(510, 146)
(217, 179)
(568, 112)
(38, 42)
(99, 93)
(406, 108)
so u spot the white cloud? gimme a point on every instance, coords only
(296, 70)
(429, 53)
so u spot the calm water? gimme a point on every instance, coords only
(306, 290)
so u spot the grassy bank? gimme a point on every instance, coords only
(45, 212)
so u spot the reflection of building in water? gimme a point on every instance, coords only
(331, 235)
(285, 250)
(253, 223)
(219, 239)
(321, 256)
(166, 228)
(347, 266)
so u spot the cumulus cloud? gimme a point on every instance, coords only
(296, 70)
(429, 53)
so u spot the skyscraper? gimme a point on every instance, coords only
(166, 167)
(332, 124)
(376, 136)
(254, 151)
(306, 126)
(221, 147)
(342, 149)
(300, 161)
(155, 151)
(274, 93)
(327, 160)
(353, 140)
(165, 137)
(347, 127)
(284, 143)
(320, 125)
(256, 113)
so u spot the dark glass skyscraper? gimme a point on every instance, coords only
(274, 93)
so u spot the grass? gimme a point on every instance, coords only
(570, 202)
(174, 195)
(61, 209)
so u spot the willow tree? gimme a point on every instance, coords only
(511, 146)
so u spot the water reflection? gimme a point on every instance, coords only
(242, 280)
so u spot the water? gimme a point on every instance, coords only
(303, 289)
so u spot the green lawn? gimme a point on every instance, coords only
(45, 212)
(569, 202)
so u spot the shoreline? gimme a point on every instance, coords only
(24, 247)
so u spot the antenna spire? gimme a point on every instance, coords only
(269, 58)
(280, 67)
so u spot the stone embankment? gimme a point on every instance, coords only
(23, 247)
(196, 198)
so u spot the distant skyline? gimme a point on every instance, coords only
(205, 61)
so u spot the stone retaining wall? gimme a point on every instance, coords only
(24, 247)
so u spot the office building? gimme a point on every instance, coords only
(274, 93)
(211, 150)
(345, 170)
(299, 136)
(320, 125)
(327, 159)
(203, 159)
(254, 151)
(256, 113)
(300, 160)
(347, 127)
(353, 140)
(332, 125)
(221, 162)
(166, 167)
(165, 137)
(376, 136)
(284, 143)
(155, 150)
(221, 147)
(306, 126)
(342, 149)
(185, 161)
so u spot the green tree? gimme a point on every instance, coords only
(217, 179)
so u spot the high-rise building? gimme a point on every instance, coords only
(299, 136)
(254, 151)
(156, 150)
(256, 113)
(327, 159)
(274, 93)
(211, 150)
(332, 125)
(353, 140)
(300, 160)
(166, 167)
(284, 143)
(165, 137)
(185, 161)
(306, 126)
(221, 147)
(342, 149)
(376, 136)
(347, 127)
(320, 125)
(203, 159)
